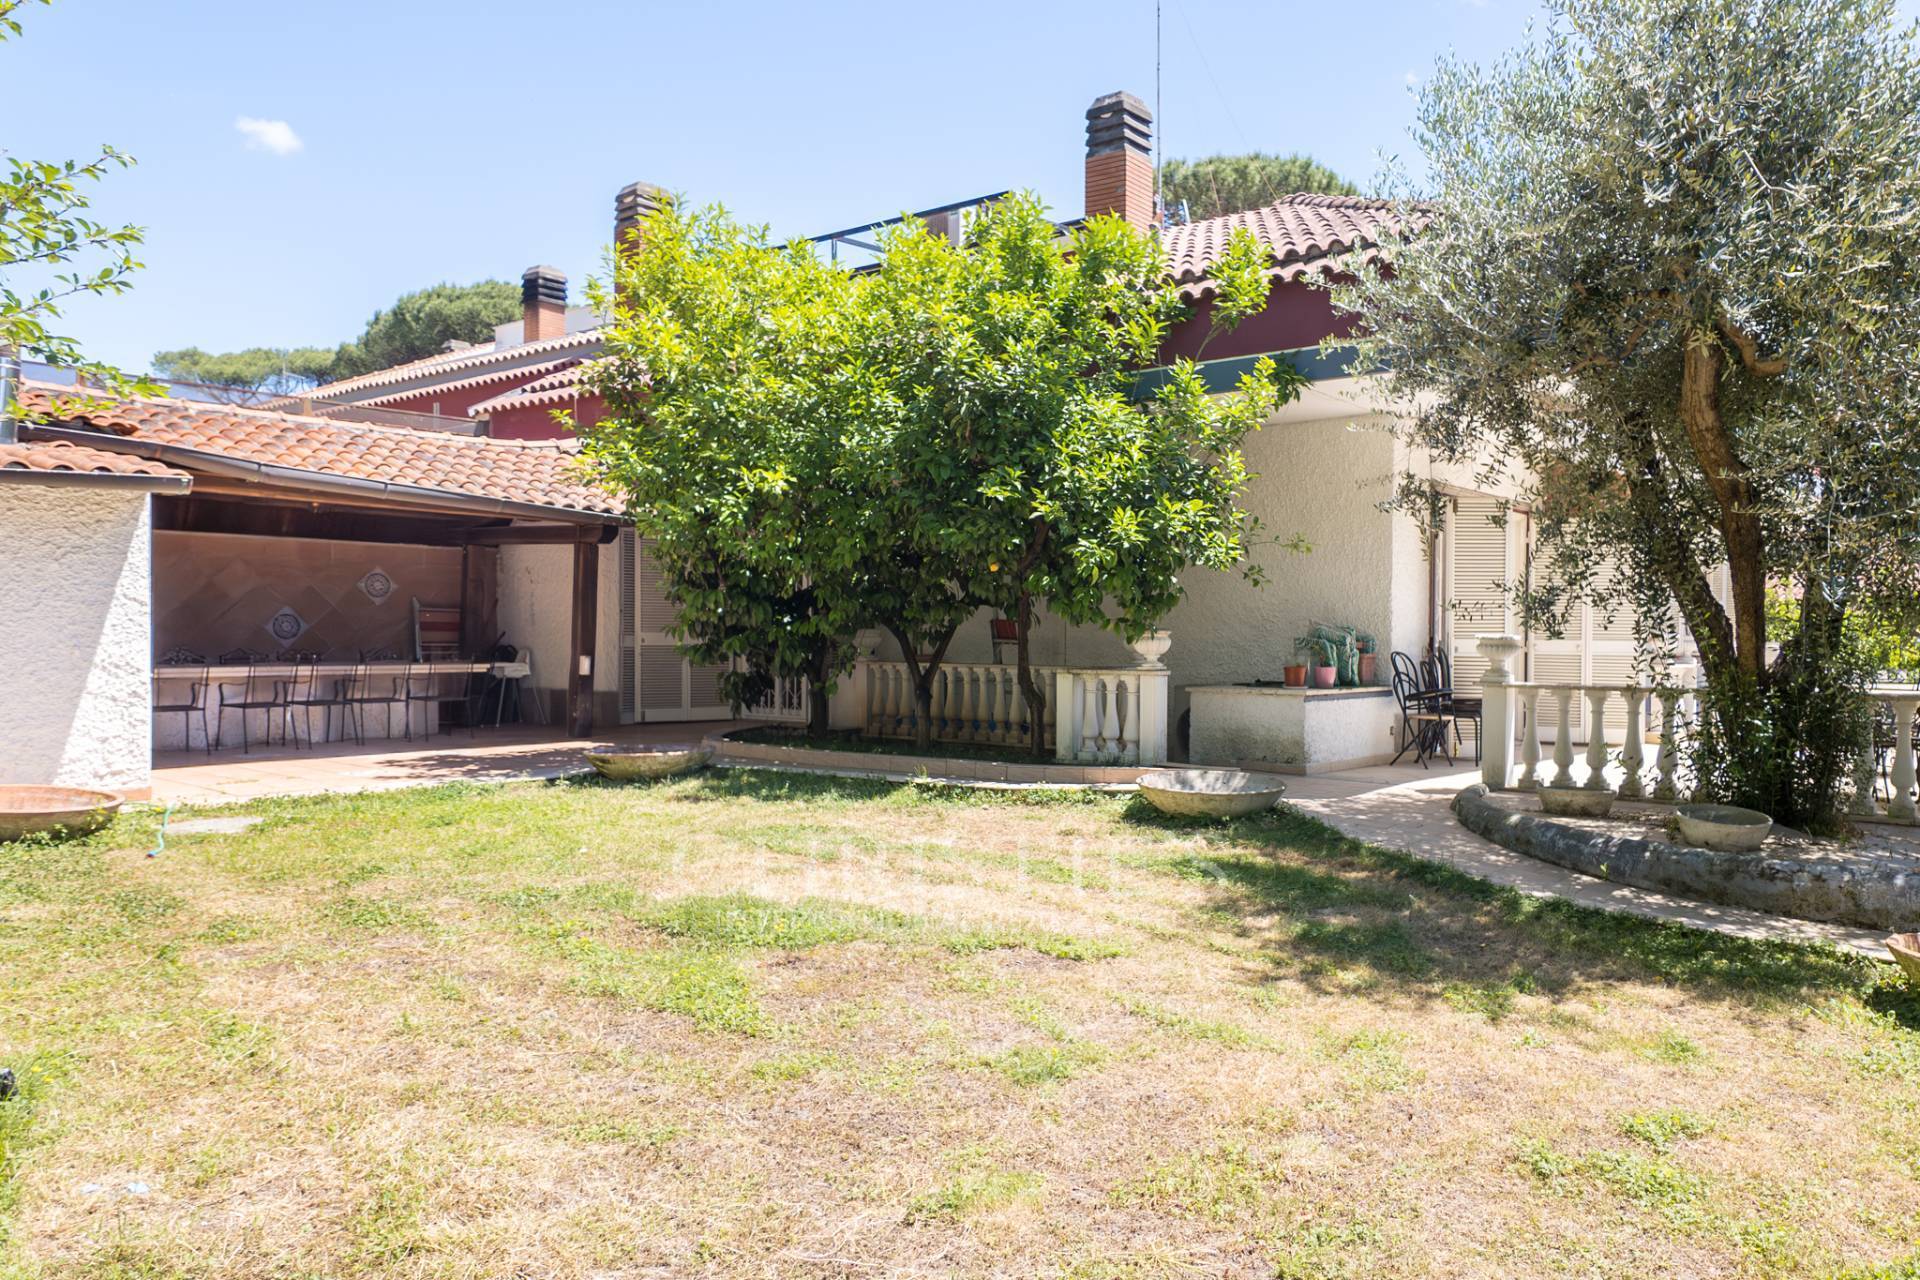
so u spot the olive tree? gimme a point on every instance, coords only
(1667, 278)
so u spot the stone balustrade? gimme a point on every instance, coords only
(1513, 711)
(1093, 715)
(1897, 705)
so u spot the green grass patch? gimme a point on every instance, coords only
(1661, 1129)
(1036, 1064)
(1194, 1028)
(1218, 1183)
(974, 1193)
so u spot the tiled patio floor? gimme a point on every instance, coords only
(490, 755)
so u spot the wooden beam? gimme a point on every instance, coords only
(534, 534)
(586, 626)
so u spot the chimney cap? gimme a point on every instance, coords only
(636, 202)
(1117, 120)
(543, 284)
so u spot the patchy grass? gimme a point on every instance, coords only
(755, 1024)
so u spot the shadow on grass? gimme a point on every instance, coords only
(1418, 923)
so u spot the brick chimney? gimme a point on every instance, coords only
(636, 201)
(543, 304)
(1120, 159)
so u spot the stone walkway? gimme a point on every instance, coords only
(1400, 807)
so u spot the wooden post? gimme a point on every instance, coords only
(586, 625)
(479, 600)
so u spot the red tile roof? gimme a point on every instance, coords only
(456, 361)
(1304, 233)
(553, 389)
(60, 455)
(488, 378)
(531, 474)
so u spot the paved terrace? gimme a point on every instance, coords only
(1400, 807)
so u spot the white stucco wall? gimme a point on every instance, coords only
(75, 637)
(536, 612)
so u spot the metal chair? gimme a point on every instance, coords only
(196, 703)
(436, 632)
(1467, 708)
(430, 685)
(358, 694)
(314, 697)
(261, 692)
(1423, 725)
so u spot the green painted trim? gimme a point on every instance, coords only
(1225, 375)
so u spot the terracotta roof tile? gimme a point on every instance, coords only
(1304, 233)
(474, 357)
(553, 389)
(540, 473)
(458, 384)
(60, 455)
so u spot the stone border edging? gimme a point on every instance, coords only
(941, 768)
(1806, 889)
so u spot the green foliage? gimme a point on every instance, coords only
(269, 370)
(1229, 184)
(1668, 288)
(421, 323)
(814, 452)
(52, 251)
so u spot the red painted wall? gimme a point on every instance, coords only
(1296, 315)
(538, 423)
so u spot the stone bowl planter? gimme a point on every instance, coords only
(1906, 949)
(1210, 793)
(1575, 802)
(632, 766)
(1724, 827)
(26, 810)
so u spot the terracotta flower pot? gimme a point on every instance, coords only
(1296, 675)
(1324, 677)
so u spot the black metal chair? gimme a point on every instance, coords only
(435, 685)
(263, 691)
(359, 694)
(196, 703)
(1467, 708)
(314, 696)
(1423, 724)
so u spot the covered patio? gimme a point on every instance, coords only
(317, 582)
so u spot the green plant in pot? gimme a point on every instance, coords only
(1321, 657)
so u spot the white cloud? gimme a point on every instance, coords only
(1412, 79)
(276, 136)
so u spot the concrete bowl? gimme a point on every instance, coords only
(1210, 793)
(632, 766)
(26, 810)
(1906, 950)
(1575, 802)
(1725, 827)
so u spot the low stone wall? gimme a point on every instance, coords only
(1805, 888)
(933, 766)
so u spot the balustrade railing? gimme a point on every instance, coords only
(1513, 711)
(1091, 715)
(1885, 785)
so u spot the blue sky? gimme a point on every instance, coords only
(441, 141)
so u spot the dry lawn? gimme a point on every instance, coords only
(765, 1025)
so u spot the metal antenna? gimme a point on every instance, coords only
(1159, 120)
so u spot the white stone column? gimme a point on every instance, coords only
(1149, 712)
(1866, 770)
(1633, 752)
(1496, 723)
(1563, 738)
(1066, 717)
(1664, 791)
(1902, 805)
(1530, 741)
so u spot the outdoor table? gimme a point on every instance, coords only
(215, 673)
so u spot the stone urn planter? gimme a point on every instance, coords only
(1575, 802)
(1724, 827)
(632, 766)
(1905, 948)
(27, 809)
(1152, 647)
(1210, 793)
